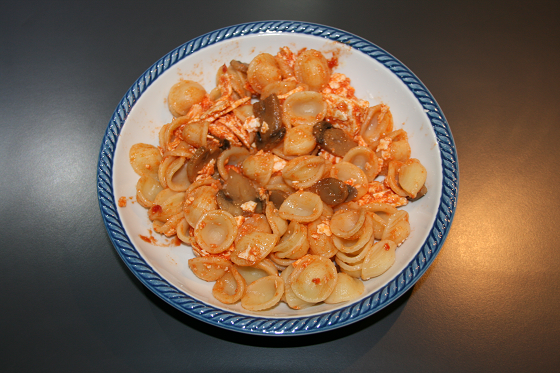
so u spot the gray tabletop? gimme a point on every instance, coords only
(490, 300)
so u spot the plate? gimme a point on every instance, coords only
(376, 75)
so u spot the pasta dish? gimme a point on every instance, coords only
(285, 184)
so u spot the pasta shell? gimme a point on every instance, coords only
(365, 159)
(278, 225)
(353, 245)
(215, 231)
(230, 287)
(253, 223)
(253, 248)
(314, 278)
(263, 293)
(347, 288)
(412, 177)
(280, 263)
(233, 153)
(147, 188)
(302, 207)
(352, 175)
(183, 231)
(312, 68)
(346, 223)
(398, 227)
(198, 202)
(320, 238)
(176, 175)
(166, 204)
(209, 268)
(289, 296)
(293, 244)
(258, 167)
(305, 107)
(379, 258)
(196, 133)
(183, 95)
(145, 160)
(378, 123)
(299, 140)
(262, 269)
(262, 71)
(304, 171)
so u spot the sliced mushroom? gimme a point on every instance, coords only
(239, 66)
(237, 191)
(277, 197)
(333, 191)
(202, 156)
(227, 204)
(334, 140)
(272, 130)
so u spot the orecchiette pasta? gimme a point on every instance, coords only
(286, 186)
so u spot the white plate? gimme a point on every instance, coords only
(376, 75)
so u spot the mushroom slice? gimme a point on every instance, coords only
(276, 197)
(209, 268)
(239, 66)
(333, 191)
(272, 130)
(303, 207)
(200, 158)
(239, 190)
(379, 258)
(230, 287)
(314, 278)
(253, 248)
(289, 296)
(346, 223)
(215, 231)
(263, 293)
(334, 140)
(227, 204)
(347, 288)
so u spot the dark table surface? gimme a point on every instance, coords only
(490, 300)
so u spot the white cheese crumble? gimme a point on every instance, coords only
(249, 206)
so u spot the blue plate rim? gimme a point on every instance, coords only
(269, 325)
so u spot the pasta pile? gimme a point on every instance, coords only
(285, 185)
